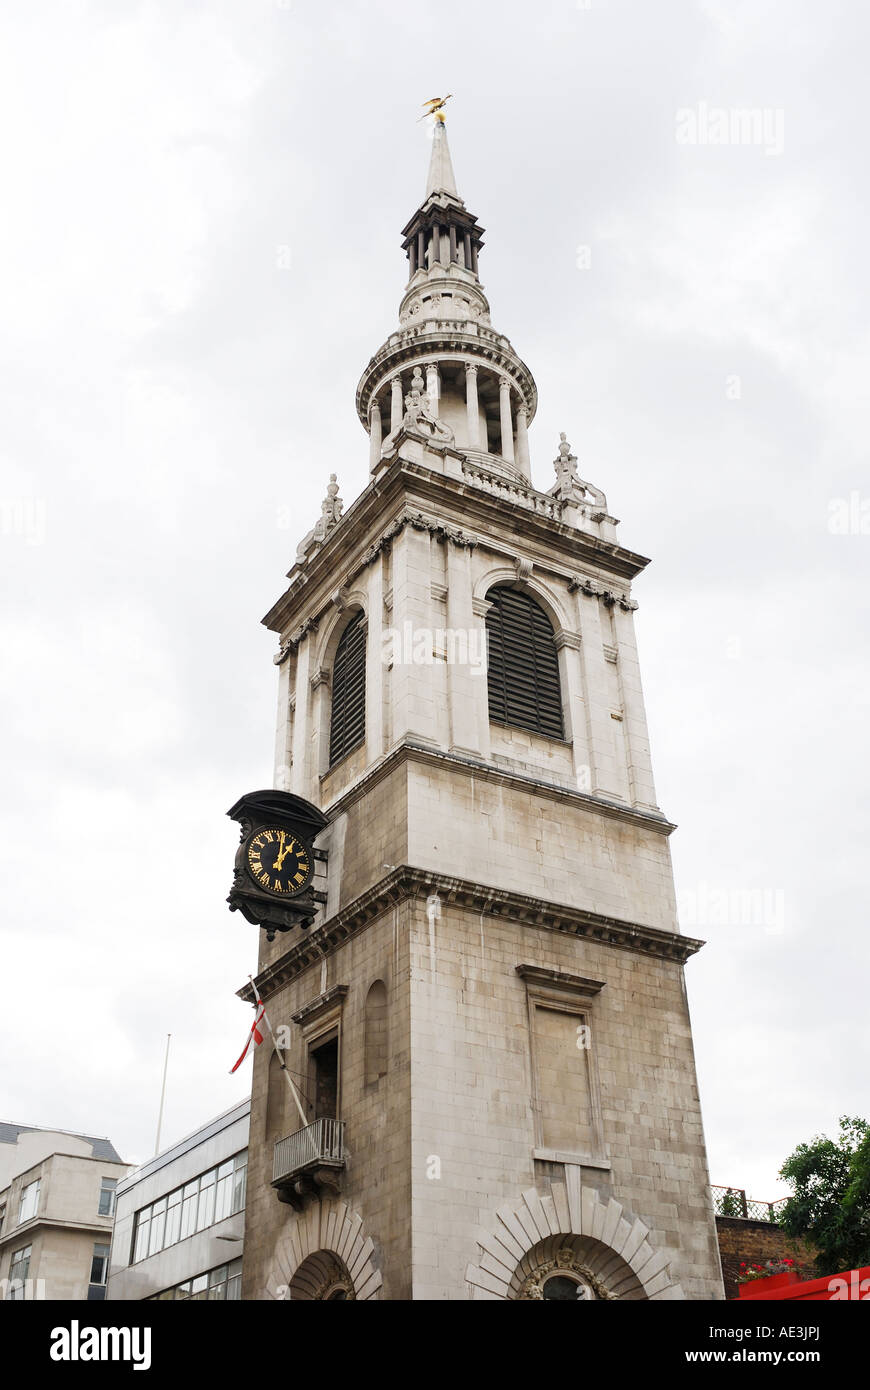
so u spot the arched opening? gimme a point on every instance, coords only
(347, 728)
(322, 1278)
(576, 1269)
(523, 664)
(376, 1033)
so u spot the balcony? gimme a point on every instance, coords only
(308, 1163)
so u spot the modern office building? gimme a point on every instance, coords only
(180, 1220)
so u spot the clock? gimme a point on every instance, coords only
(280, 862)
(275, 865)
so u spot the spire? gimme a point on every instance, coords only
(441, 176)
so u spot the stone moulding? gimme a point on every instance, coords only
(537, 510)
(569, 1227)
(489, 772)
(409, 883)
(331, 1228)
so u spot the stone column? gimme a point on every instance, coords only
(523, 458)
(375, 668)
(397, 411)
(466, 655)
(412, 699)
(375, 435)
(320, 706)
(604, 774)
(636, 733)
(452, 243)
(432, 387)
(472, 406)
(507, 427)
(284, 731)
(421, 250)
(301, 721)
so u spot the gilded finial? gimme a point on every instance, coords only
(435, 107)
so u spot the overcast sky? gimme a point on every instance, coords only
(199, 252)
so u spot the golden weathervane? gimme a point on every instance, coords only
(435, 107)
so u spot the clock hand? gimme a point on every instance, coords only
(285, 850)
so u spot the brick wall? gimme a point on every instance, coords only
(747, 1240)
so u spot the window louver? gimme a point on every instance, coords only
(348, 724)
(524, 688)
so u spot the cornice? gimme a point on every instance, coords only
(409, 751)
(406, 883)
(310, 1012)
(316, 583)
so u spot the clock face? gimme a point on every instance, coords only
(279, 863)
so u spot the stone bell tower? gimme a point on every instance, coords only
(487, 1021)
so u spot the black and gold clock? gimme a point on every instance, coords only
(274, 871)
(280, 863)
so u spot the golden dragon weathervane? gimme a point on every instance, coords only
(435, 107)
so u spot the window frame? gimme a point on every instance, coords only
(108, 1188)
(503, 696)
(17, 1286)
(22, 1198)
(188, 1210)
(357, 622)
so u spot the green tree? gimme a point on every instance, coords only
(830, 1205)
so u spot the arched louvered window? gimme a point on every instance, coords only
(348, 724)
(523, 677)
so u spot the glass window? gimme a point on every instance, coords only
(234, 1282)
(199, 1287)
(158, 1226)
(224, 1199)
(143, 1229)
(100, 1264)
(199, 1204)
(188, 1209)
(173, 1219)
(29, 1201)
(107, 1197)
(239, 1177)
(206, 1201)
(19, 1272)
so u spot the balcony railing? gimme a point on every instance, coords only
(733, 1201)
(320, 1145)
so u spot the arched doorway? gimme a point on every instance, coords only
(322, 1277)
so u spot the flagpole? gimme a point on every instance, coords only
(162, 1096)
(282, 1064)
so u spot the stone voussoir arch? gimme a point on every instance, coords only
(528, 1234)
(329, 1227)
(546, 595)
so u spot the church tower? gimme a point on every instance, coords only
(486, 1021)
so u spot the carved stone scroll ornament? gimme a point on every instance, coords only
(580, 583)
